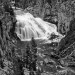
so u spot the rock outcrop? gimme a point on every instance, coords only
(69, 38)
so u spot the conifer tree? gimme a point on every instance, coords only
(34, 52)
(28, 56)
(1, 61)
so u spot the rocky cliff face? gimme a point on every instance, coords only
(69, 38)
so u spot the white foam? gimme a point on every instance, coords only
(28, 27)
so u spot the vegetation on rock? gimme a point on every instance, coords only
(15, 61)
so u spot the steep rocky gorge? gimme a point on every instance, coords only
(51, 59)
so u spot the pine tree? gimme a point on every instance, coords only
(28, 56)
(33, 43)
(34, 52)
(1, 61)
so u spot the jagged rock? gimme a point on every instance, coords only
(69, 38)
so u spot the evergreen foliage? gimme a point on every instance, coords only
(12, 60)
(34, 53)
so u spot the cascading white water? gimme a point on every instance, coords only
(28, 27)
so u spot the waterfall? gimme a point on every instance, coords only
(28, 26)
